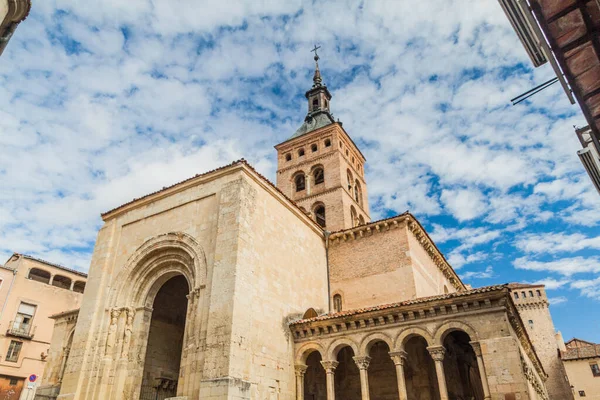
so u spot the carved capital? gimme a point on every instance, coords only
(329, 366)
(362, 362)
(399, 357)
(476, 348)
(437, 352)
(300, 369)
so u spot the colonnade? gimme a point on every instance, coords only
(399, 358)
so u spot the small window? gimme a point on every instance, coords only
(300, 182)
(352, 160)
(531, 293)
(595, 369)
(79, 287)
(301, 153)
(347, 153)
(319, 176)
(337, 303)
(39, 275)
(523, 294)
(315, 103)
(325, 102)
(22, 322)
(288, 157)
(13, 351)
(361, 220)
(516, 295)
(327, 143)
(530, 323)
(13, 381)
(539, 293)
(320, 216)
(582, 393)
(313, 148)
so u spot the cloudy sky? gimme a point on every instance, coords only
(104, 101)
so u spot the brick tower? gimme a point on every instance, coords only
(321, 168)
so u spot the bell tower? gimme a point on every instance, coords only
(320, 167)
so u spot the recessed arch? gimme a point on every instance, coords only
(368, 341)
(337, 345)
(306, 349)
(409, 333)
(156, 261)
(450, 326)
(39, 275)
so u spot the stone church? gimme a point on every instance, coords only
(225, 286)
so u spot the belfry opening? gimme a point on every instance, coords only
(165, 340)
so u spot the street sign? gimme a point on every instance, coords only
(32, 378)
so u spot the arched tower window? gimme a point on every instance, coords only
(357, 192)
(350, 180)
(300, 182)
(301, 153)
(314, 148)
(315, 103)
(337, 303)
(319, 175)
(288, 157)
(327, 142)
(320, 215)
(353, 216)
(361, 220)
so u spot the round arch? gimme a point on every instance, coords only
(409, 333)
(155, 262)
(337, 345)
(306, 350)
(368, 341)
(450, 326)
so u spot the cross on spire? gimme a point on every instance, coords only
(315, 51)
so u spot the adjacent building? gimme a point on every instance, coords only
(565, 34)
(12, 13)
(582, 363)
(31, 291)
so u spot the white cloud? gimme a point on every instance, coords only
(485, 274)
(588, 287)
(550, 242)
(557, 300)
(551, 283)
(464, 204)
(563, 266)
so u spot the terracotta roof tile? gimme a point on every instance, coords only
(357, 311)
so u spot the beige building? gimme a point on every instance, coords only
(225, 286)
(12, 13)
(582, 363)
(31, 291)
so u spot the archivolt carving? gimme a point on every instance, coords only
(367, 342)
(156, 261)
(308, 348)
(407, 334)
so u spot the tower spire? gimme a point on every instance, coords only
(317, 80)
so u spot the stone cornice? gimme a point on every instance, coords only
(537, 305)
(417, 230)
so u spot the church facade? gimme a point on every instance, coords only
(225, 286)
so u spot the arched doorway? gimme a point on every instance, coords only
(165, 340)
(347, 376)
(315, 381)
(460, 367)
(419, 371)
(383, 384)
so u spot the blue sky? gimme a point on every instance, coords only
(105, 101)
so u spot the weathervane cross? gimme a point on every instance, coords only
(315, 50)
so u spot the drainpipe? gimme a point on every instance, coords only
(327, 233)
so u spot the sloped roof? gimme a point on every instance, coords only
(73, 271)
(347, 313)
(312, 122)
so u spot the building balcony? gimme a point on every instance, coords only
(21, 330)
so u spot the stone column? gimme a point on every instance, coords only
(399, 358)
(330, 367)
(51, 280)
(437, 353)
(484, 381)
(363, 364)
(72, 285)
(300, 371)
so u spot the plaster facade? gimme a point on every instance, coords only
(31, 291)
(582, 364)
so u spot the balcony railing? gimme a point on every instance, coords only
(20, 329)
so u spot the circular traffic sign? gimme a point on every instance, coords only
(32, 377)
